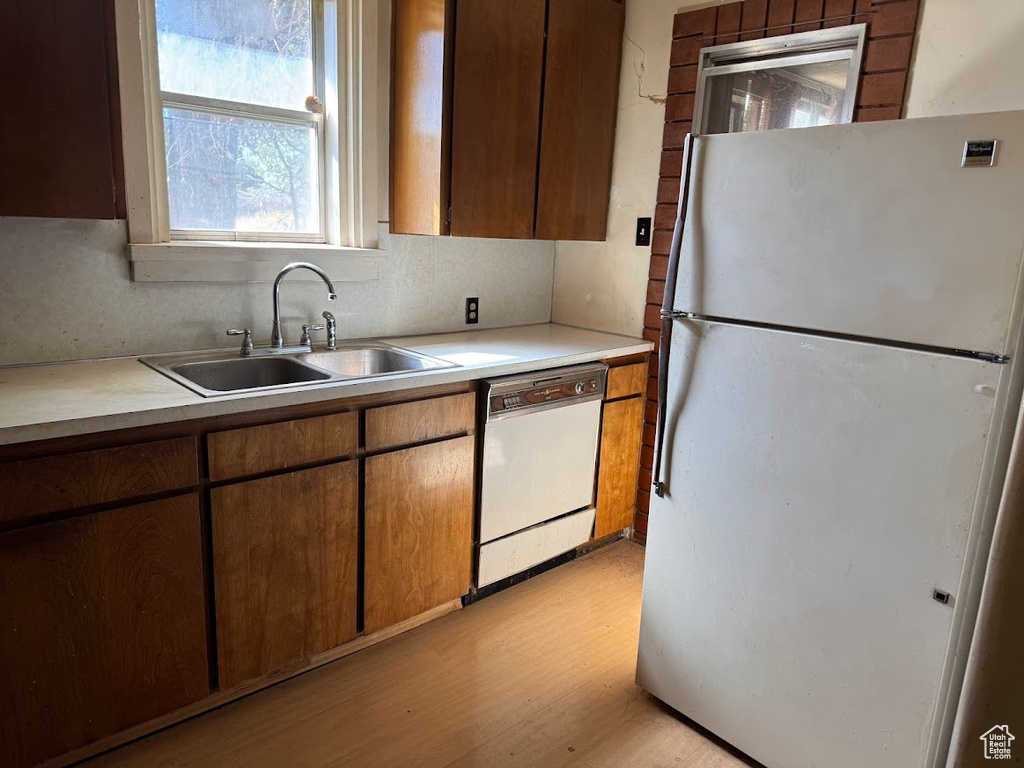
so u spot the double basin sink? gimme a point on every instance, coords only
(225, 372)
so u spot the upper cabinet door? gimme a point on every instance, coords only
(420, 113)
(60, 136)
(581, 94)
(499, 60)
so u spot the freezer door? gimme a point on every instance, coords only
(869, 229)
(817, 492)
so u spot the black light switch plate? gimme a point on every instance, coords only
(643, 231)
(472, 310)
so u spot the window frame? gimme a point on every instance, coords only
(816, 46)
(347, 51)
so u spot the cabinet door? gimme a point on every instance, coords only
(499, 55)
(419, 530)
(619, 468)
(285, 553)
(61, 156)
(420, 116)
(581, 91)
(102, 626)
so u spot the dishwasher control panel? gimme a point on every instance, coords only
(545, 389)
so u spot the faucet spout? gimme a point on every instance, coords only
(276, 339)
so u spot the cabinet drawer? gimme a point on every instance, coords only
(626, 380)
(59, 483)
(286, 444)
(393, 426)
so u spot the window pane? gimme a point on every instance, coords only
(780, 97)
(256, 51)
(237, 174)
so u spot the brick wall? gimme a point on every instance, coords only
(890, 40)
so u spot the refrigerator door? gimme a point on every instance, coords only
(818, 490)
(868, 229)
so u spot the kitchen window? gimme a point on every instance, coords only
(241, 86)
(791, 81)
(249, 133)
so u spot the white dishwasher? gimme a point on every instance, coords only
(539, 463)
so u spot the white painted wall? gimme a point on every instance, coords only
(66, 292)
(968, 59)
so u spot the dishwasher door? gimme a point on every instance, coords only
(538, 465)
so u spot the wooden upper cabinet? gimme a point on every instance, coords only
(581, 94)
(60, 143)
(420, 116)
(506, 117)
(499, 62)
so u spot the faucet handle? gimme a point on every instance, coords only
(246, 342)
(306, 339)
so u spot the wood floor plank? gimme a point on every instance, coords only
(540, 674)
(561, 733)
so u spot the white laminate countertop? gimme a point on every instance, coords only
(39, 402)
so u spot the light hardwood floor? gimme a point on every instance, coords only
(537, 675)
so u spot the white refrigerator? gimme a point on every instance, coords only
(840, 385)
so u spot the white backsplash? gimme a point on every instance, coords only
(66, 294)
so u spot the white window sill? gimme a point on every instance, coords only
(201, 261)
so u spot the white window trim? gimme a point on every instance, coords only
(351, 160)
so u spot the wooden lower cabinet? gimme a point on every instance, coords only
(419, 530)
(285, 560)
(102, 626)
(619, 468)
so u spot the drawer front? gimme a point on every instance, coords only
(626, 380)
(270, 447)
(59, 483)
(394, 426)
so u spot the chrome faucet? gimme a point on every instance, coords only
(276, 339)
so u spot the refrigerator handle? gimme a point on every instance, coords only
(667, 308)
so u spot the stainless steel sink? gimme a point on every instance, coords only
(241, 373)
(218, 373)
(371, 361)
